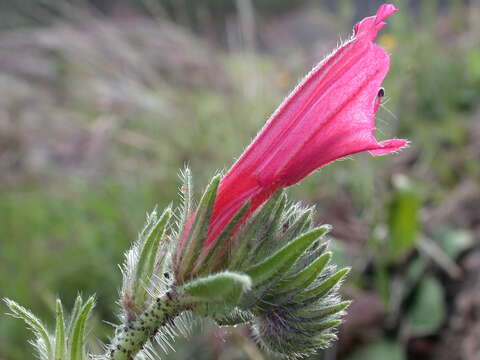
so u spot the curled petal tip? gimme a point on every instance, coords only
(370, 26)
(389, 146)
(384, 12)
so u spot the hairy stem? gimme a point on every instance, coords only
(133, 335)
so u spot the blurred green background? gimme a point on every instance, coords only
(102, 102)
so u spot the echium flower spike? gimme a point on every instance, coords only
(293, 304)
(246, 254)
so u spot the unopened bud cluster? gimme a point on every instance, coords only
(271, 273)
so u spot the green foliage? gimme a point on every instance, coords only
(295, 276)
(43, 341)
(242, 254)
(324, 287)
(274, 260)
(454, 241)
(282, 260)
(403, 218)
(380, 350)
(226, 287)
(78, 334)
(293, 305)
(145, 259)
(306, 276)
(59, 344)
(77, 306)
(151, 249)
(60, 332)
(427, 312)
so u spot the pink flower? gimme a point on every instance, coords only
(329, 115)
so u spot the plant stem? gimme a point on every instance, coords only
(133, 335)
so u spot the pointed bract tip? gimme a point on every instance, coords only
(369, 27)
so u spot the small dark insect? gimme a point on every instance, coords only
(167, 275)
(378, 99)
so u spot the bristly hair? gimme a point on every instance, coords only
(186, 206)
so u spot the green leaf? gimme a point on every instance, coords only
(300, 225)
(149, 254)
(324, 340)
(285, 257)
(60, 340)
(243, 252)
(305, 277)
(288, 288)
(234, 317)
(403, 218)
(224, 287)
(320, 326)
(270, 239)
(428, 310)
(210, 309)
(313, 253)
(454, 241)
(77, 306)
(199, 229)
(33, 323)
(320, 313)
(324, 287)
(77, 342)
(146, 261)
(380, 350)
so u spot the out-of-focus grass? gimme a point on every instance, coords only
(96, 139)
(61, 242)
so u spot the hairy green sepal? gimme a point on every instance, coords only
(226, 287)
